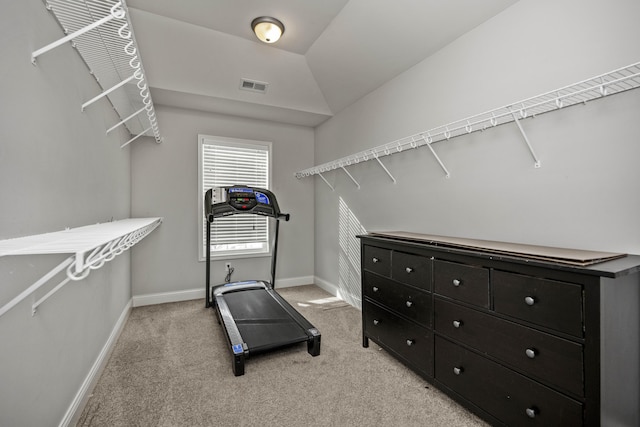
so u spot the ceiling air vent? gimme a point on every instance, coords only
(253, 86)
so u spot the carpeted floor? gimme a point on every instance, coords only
(170, 367)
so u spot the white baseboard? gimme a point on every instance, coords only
(327, 286)
(80, 400)
(294, 281)
(354, 300)
(165, 297)
(191, 294)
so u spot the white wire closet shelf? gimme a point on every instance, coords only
(90, 247)
(101, 32)
(616, 81)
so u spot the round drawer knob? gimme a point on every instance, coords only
(529, 300)
(409, 303)
(375, 260)
(531, 353)
(456, 282)
(531, 412)
(408, 269)
(410, 342)
(375, 289)
(457, 370)
(457, 324)
(375, 321)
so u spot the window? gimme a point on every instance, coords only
(223, 162)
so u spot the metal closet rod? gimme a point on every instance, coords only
(117, 12)
(615, 81)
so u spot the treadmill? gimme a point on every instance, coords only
(254, 316)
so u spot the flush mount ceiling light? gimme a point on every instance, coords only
(267, 29)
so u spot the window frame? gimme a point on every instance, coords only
(240, 143)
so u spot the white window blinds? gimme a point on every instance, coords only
(225, 163)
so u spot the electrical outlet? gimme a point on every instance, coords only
(227, 266)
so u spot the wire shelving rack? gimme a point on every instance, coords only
(101, 32)
(613, 82)
(90, 247)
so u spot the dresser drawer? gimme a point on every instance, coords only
(410, 302)
(505, 394)
(405, 339)
(411, 269)
(556, 305)
(377, 260)
(462, 282)
(555, 360)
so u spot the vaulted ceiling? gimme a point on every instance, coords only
(332, 53)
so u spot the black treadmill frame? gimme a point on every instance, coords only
(214, 297)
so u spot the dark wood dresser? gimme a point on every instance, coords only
(518, 339)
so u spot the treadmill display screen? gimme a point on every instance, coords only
(245, 199)
(242, 201)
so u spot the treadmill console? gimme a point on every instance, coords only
(245, 199)
(241, 199)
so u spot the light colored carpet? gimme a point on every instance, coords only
(171, 367)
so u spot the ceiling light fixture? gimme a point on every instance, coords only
(267, 29)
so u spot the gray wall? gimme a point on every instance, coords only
(57, 170)
(584, 196)
(165, 183)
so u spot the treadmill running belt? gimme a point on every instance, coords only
(261, 321)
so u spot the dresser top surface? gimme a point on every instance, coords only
(597, 263)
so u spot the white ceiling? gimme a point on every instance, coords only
(332, 53)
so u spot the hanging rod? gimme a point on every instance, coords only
(91, 247)
(101, 32)
(616, 81)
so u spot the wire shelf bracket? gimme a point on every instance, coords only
(105, 93)
(114, 14)
(134, 138)
(91, 247)
(123, 121)
(108, 47)
(350, 176)
(616, 81)
(326, 182)
(429, 140)
(524, 135)
(385, 169)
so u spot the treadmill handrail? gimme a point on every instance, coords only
(224, 209)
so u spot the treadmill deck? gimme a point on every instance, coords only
(264, 323)
(257, 319)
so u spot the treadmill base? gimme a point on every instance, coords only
(257, 319)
